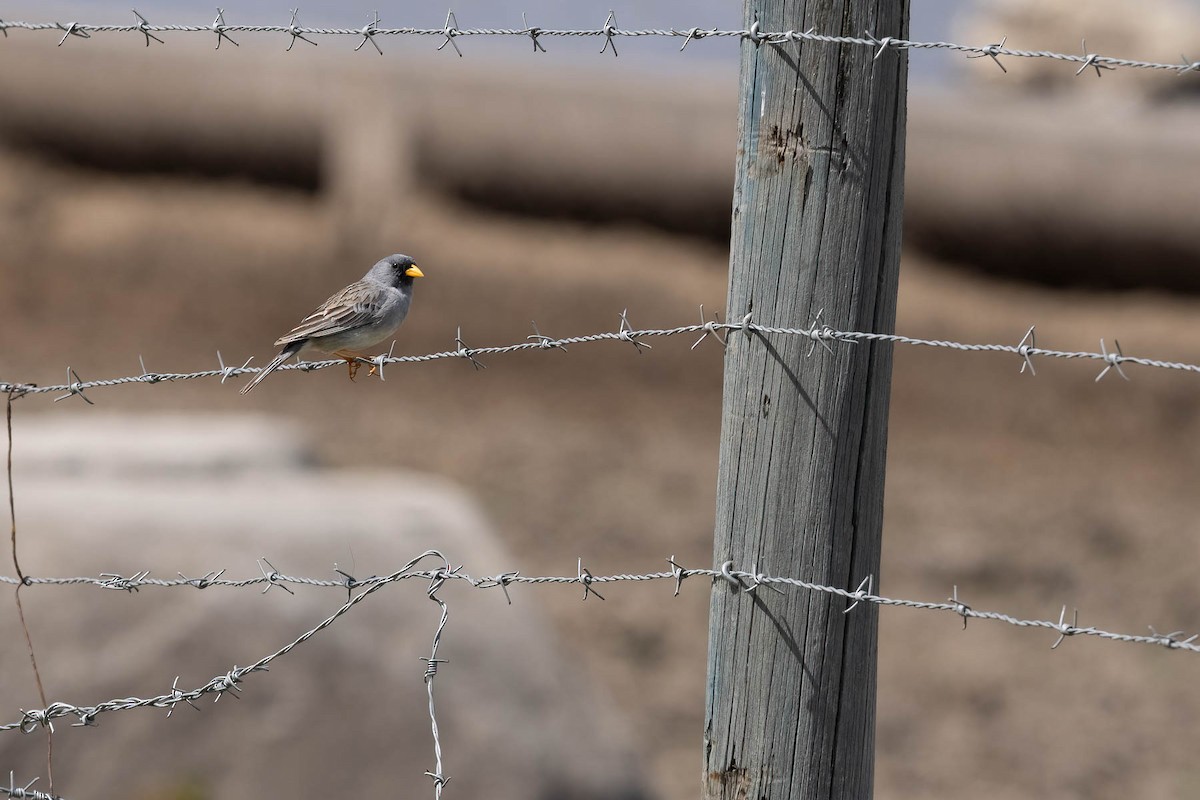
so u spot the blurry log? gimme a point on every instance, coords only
(1092, 191)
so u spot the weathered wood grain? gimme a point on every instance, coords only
(816, 230)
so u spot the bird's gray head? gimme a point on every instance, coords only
(395, 270)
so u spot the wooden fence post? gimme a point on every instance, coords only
(816, 241)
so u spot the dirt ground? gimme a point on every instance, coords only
(1027, 492)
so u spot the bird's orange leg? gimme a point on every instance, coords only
(352, 361)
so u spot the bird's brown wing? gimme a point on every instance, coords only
(356, 305)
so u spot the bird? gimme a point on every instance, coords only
(361, 315)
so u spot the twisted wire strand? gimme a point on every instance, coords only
(737, 580)
(823, 335)
(450, 31)
(745, 581)
(25, 792)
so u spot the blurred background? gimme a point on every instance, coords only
(171, 202)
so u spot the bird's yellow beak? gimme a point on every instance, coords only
(414, 272)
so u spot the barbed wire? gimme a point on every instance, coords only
(25, 792)
(230, 681)
(816, 333)
(738, 581)
(450, 32)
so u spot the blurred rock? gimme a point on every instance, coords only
(346, 712)
(159, 447)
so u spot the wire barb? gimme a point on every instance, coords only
(296, 32)
(609, 30)
(1112, 360)
(26, 792)
(465, 352)
(544, 342)
(756, 579)
(178, 696)
(959, 607)
(679, 573)
(130, 584)
(272, 577)
(203, 582)
(143, 27)
(1172, 640)
(533, 33)
(229, 682)
(883, 44)
(72, 29)
(585, 579)
(74, 386)
(1065, 630)
(349, 581)
(368, 33)
(230, 372)
(1024, 350)
(861, 593)
(32, 719)
(711, 329)
(218, 27)
(450, 30)
(823, 335)
(627, 334)
(992, 51)
(502, 580)
(694, 33)
(1093, 60)
(147, 376)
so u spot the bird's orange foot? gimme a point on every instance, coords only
(353, 361)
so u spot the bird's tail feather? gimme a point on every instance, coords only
(275, 364)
